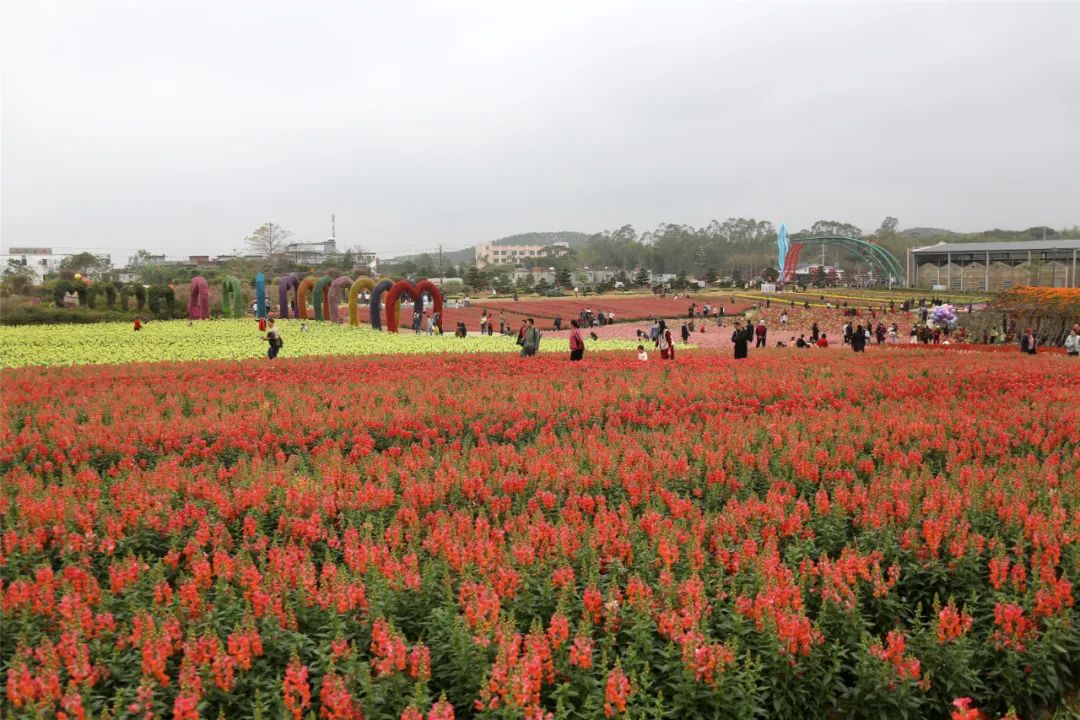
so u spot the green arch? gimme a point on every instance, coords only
(321, 299)
(232, 296)
(868, 251)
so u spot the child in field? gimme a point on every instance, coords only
(641, 354)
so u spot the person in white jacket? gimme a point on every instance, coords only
(1072, 342)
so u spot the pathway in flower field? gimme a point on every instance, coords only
(545, 310)
(712, 338)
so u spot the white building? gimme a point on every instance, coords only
(491, 254)
(40, 259)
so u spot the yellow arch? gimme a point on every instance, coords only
(362, 283)
(306, 286)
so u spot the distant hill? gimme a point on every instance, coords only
(925, 232)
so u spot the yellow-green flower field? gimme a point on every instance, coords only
(105, 343)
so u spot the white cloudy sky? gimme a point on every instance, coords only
(181, 125)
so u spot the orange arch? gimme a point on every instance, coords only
(306, 286)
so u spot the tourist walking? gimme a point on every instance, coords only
(1072, 342)
(665, 343)
(577, 343)
(815, 333)
(484, 323)
(1028, 342)
(685, 332)
(740, 338)
(530, 338)
(858, 339)
(273, 337)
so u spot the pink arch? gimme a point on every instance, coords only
(198, 306)
(339, 290)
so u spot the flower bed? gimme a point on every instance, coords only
(111, 343)
(816, 535)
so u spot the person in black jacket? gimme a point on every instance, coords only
(1028, 343)
(858, 339)
(741, 339)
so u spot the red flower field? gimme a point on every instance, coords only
(815, 535)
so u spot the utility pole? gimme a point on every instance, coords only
(440, 262)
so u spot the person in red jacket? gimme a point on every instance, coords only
(822, 341)
(138, 323)
(761, 332)
(577, 343)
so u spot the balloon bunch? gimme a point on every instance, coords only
(944, 315)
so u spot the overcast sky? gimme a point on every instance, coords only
(180, 126)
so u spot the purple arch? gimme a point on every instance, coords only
(286, 283)
(376, 303)
(198, 305)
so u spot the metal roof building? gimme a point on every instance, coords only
(993, 266)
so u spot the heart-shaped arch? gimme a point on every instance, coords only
(416, 293)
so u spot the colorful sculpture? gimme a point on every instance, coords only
(199, 299)
(286, 283)
(362, 283)
(302, 292)
(321, 299)
(232, 297)
(375, 312)
(782, 246)
(338, 290)
(260, 295)
(416, 293)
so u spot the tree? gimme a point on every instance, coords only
(680, 282)
(770, 274)
(833, 228)
(737, 278)
(86, 263)
(641, 279)
(268, 239)
(474, 279)
(543, 286)
(562, 278)
(711, 276)
(17, 278)
(888, 227)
